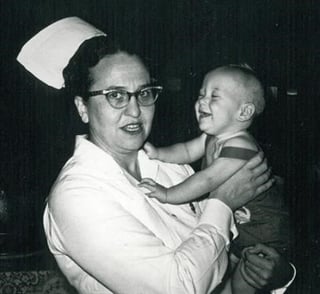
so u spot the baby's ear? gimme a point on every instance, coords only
(247, 111)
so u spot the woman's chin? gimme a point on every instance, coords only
(134, 143)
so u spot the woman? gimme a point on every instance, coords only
(106, 235)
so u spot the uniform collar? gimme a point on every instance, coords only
(97, 158)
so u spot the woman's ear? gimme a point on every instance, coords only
(82, 109)
(247, 111)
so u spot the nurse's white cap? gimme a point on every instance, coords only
(49, 51)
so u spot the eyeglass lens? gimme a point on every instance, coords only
(121, 98)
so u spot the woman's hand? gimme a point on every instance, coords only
(247, 183)
(238, 284)
(264, 268)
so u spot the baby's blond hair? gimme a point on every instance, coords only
(252, 86)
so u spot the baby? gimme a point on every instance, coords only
(230, 98)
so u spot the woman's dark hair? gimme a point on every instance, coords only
(76, 74)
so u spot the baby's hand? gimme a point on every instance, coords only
(151, 151)
(156, 191)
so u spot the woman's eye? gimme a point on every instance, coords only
(145, 93)
(115, 95)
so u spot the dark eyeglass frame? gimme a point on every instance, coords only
(136, 94)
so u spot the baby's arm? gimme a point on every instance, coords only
(203, 181)
(185, 152)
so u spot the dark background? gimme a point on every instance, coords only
(182, 39)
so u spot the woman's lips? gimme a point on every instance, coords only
(133, 128)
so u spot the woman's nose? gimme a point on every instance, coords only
(133, 108)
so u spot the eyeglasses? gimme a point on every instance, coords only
(119, 98)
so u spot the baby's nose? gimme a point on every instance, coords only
(204, 100)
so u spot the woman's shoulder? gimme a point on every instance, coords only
(81, 194)
(77, 182)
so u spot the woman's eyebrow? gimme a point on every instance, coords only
(148, 84)
(116, 88)
(145, 86)
(110, 88)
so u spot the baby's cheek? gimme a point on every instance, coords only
(196, 109)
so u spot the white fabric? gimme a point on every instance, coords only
(108, 237)
(221, 139)
(49, 51)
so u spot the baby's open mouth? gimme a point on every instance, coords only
(203, 114)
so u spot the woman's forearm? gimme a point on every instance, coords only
(112, 249)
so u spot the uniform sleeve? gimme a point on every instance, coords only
(120, 252)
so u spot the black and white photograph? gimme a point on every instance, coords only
(159, 146)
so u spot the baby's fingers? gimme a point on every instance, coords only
(147, 146)
(147, 186)
(148, 181)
